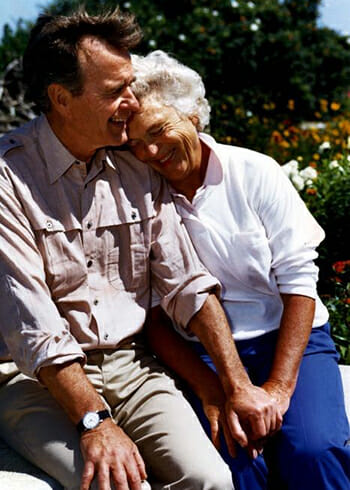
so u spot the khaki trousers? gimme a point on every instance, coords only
(143, 400)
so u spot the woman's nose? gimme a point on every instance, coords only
(152, 149)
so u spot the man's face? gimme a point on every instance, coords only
(98, 116)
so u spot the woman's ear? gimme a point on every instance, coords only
(194, 120)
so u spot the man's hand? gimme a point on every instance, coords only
(112, 457)
(252, 415)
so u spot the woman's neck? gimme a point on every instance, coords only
(189, 185)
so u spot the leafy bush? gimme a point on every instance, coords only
(325, 187)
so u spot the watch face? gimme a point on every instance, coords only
(91, 420)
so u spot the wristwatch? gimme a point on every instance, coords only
(91, 420)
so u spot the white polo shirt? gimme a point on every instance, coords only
(254, 233)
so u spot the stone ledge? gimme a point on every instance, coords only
(18, 474)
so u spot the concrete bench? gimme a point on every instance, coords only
(16, 473)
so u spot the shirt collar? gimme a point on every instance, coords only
(57, 156)
(214, 173)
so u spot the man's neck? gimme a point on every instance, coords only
(63, 133)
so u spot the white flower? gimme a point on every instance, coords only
(215, 13)
(334, 164)
(298, 182)
(182, 37)
(290, 168)
(234, 4)
(251, 5)
(308, 173)
(152, 43)
(249, 113)
(324, 146)
(127, 5)
(159, 17)
(348, 143)
(254, 27)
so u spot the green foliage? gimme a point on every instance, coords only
(13, 42)
(326, 192)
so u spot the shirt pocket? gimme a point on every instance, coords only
(252, 260)
(61, 250)
(128, 258)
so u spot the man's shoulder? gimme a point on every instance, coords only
(16, 140)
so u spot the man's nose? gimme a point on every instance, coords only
(131, 100)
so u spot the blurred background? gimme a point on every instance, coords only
(277, 74)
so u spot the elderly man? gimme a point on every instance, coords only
(84, 229)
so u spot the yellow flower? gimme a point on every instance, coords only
(291, 104)
(335, 106)
(324, 105)
(316, 156)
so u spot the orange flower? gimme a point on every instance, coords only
(311, 191)
(335, 106)
(340, 265)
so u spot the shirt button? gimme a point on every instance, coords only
(89, 263)
(49, 225)
(95, 302)
(133, 215)
(106, 336)
(89, 225)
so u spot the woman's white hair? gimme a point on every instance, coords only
(172, 83)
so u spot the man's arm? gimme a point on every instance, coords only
(109, 454)
(293, 336)
(252, 413)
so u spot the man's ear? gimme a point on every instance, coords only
(59, 97)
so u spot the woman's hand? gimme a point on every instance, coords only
(213, 400)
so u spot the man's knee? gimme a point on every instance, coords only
(214, 477)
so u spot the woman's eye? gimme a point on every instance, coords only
(157, 131)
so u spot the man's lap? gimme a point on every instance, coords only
(143, 400)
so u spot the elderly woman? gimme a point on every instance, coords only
(253, 232)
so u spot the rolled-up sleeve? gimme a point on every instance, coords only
(293, 234)
(177, 275)
(31, 327)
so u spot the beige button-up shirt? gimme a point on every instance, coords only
(79, 250)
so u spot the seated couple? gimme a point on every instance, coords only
(87, 229)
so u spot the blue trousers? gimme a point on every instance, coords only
(312, 450)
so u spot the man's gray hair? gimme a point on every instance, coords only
(172, 83)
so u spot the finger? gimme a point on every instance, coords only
(214, 431)
(103, 477)
(231, 445)
(119, 478)
(236, 429)
(259, 427)
(140, 464)
(87, 476)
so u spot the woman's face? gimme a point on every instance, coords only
(165, 140)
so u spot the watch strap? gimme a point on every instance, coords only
(102, 414)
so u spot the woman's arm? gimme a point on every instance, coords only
(176, 353)
(293, 336)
